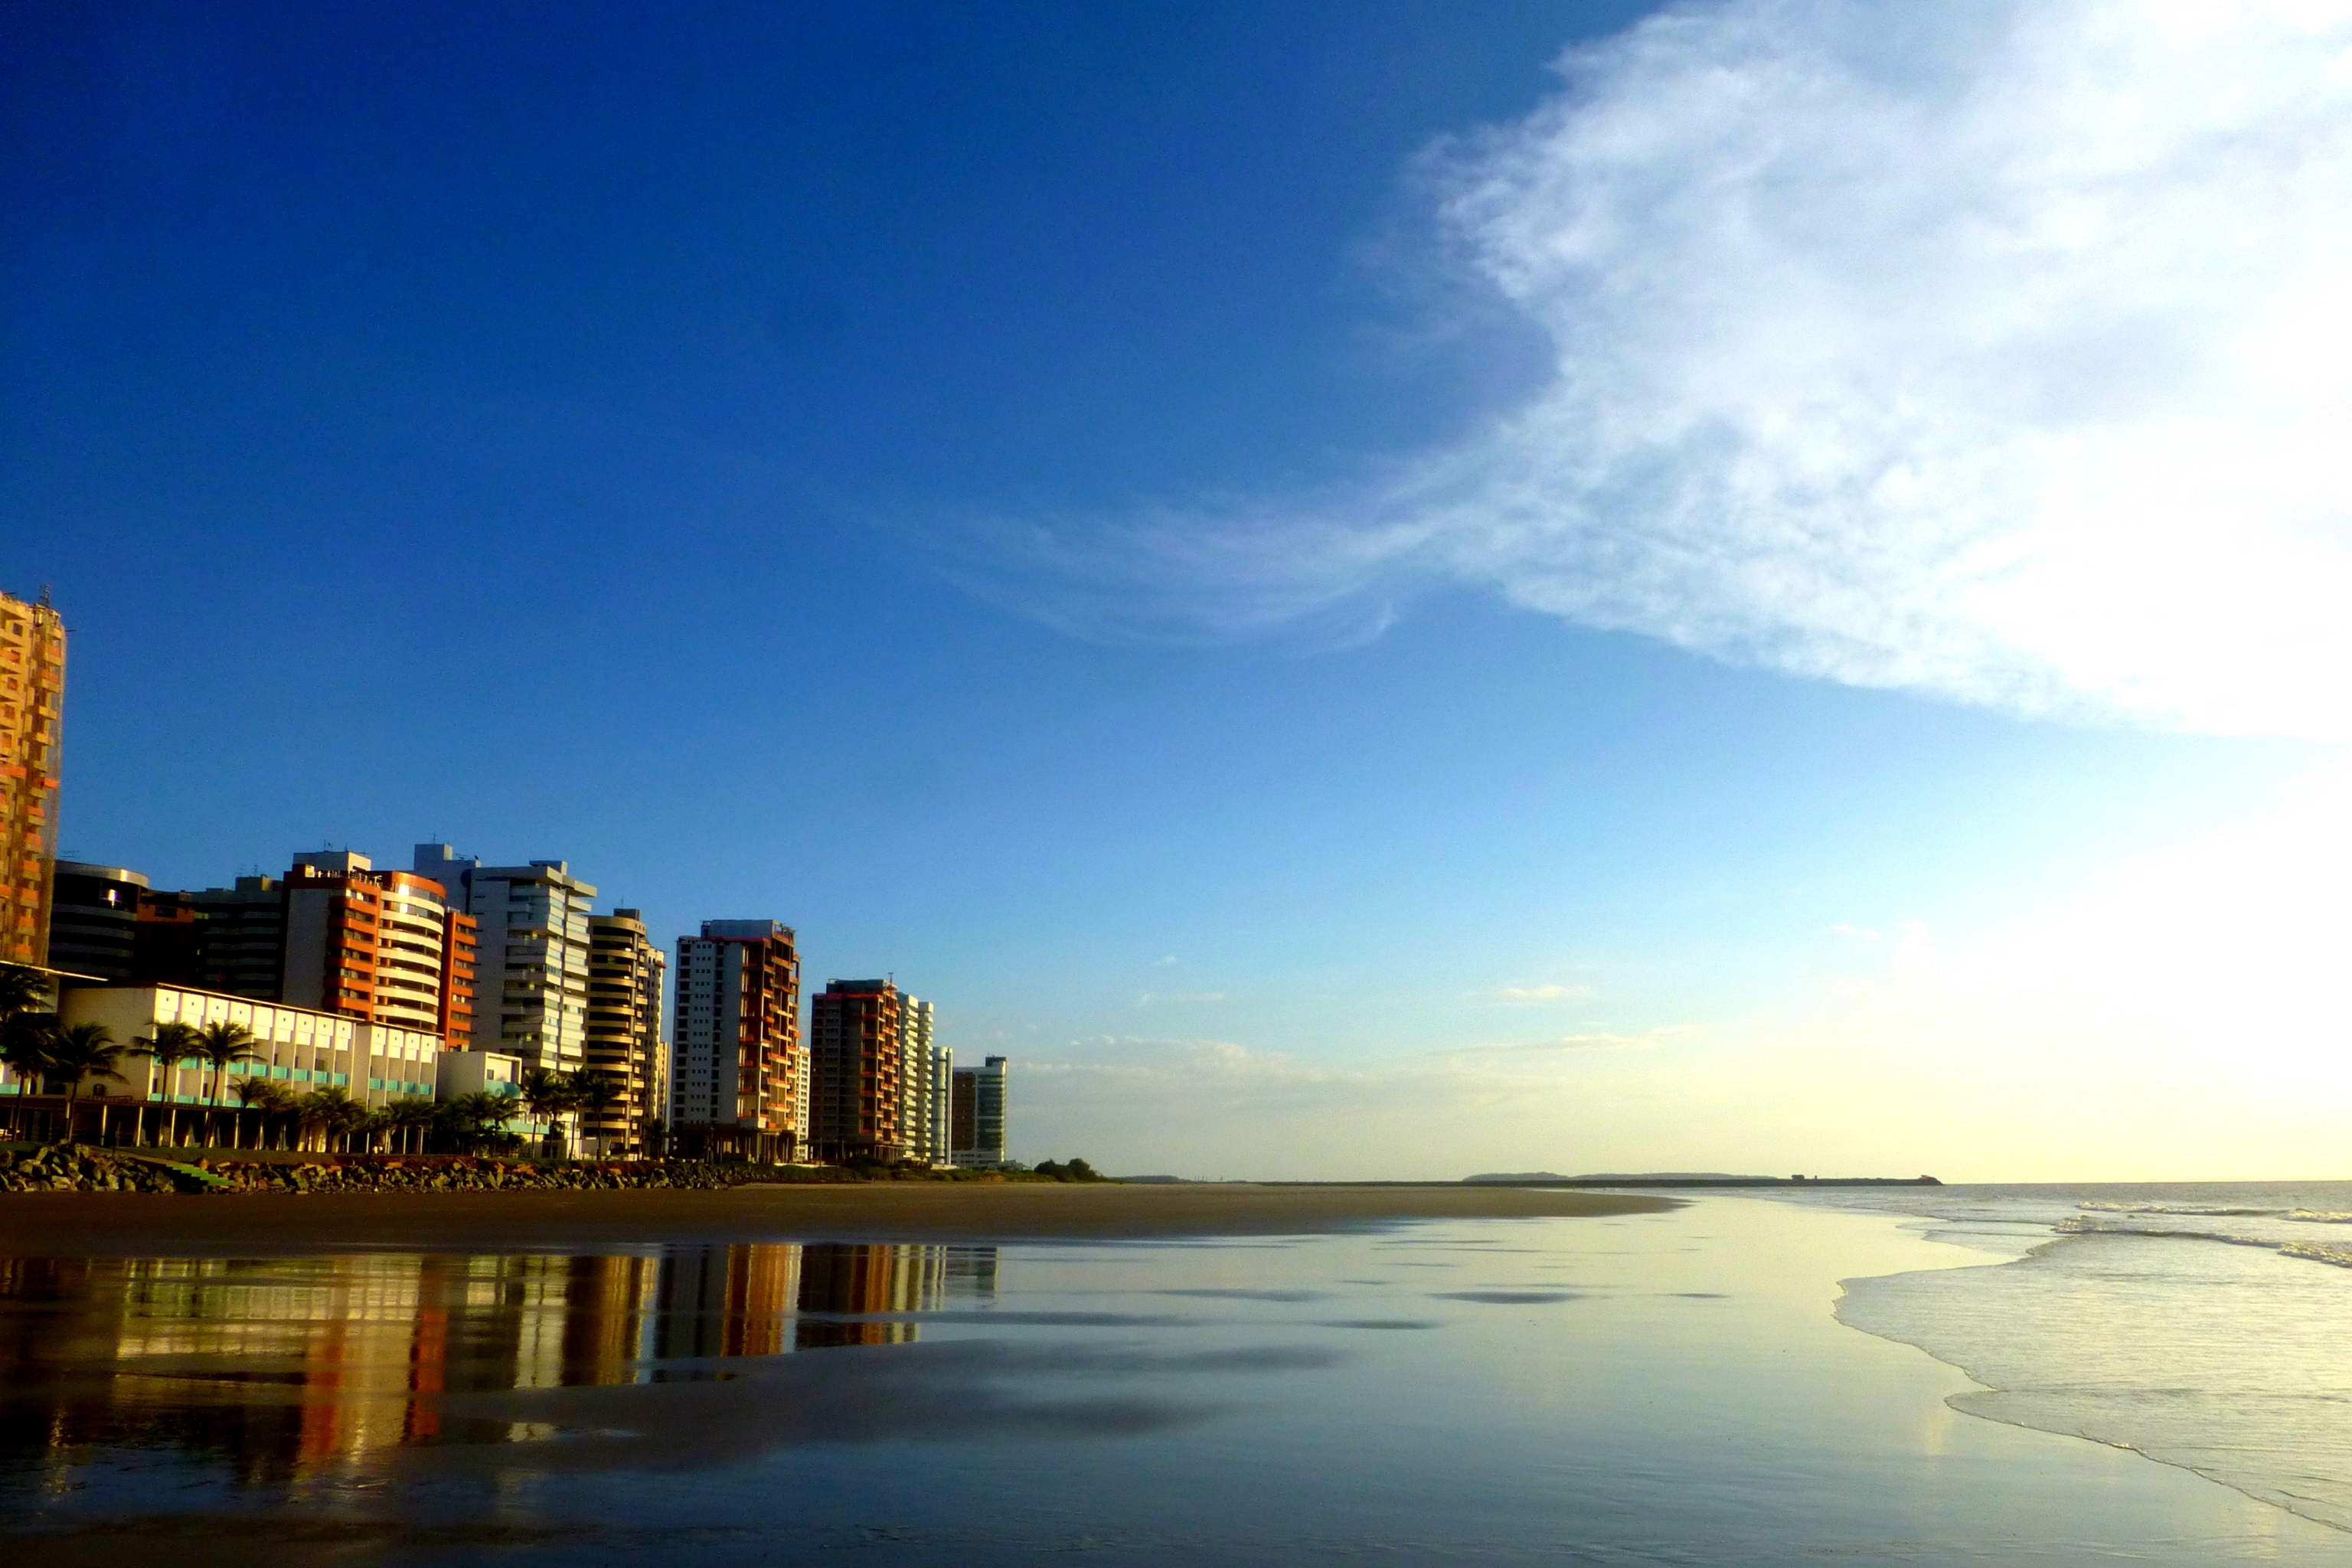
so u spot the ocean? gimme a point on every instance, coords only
(1689, 1387)
(2207, 1326)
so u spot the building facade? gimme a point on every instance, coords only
(739, 1068)
(929, 1088)
(303, 1048)
(857, 1106)
(532, 946)
(381, 945)
(167, 940)
(976, 1114)
(32, 720)
(624, 1031)
(241, 939)
(94, 919)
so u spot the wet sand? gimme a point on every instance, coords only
(85, 1225)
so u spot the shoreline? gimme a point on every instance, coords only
(87, 1225)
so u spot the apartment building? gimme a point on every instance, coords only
(241, 938)
(167, 939)
(532, 946)
(94, 918)
(32, 707)
(929, 1088)
(378, 945)
(857, 1086)
(739, 1068)
(976, 1114)
(624, 1031)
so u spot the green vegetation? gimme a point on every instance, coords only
(1069, 1171)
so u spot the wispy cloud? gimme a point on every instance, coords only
(2001, 354)
(1859, 933)
(1533, 996)
(1164, 999)
(1594, 1042)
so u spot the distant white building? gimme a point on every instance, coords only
(487, 1072)
(531, 994)
(928, 1086)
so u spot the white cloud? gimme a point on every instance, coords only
(1533, 996)
(1162, 998)
(2000, 352)
(1859, 933)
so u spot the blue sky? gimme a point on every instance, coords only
(1143, 521)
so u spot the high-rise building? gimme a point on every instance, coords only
(625, 1030)
(32, 708)
(530, 998)
(928, 1092)
(93, 919)
(241, 939)
(976, 1115)
(167, 940)
(371, 945)
(739, 1069)
(857, 1090)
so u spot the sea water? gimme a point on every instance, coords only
(2205, 1326)
(1666, 1388)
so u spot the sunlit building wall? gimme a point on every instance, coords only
(32, 718)
(739, 1068)
(624, 1028)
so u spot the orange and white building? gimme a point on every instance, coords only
(383, 946)
(32, 713)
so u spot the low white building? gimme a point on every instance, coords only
(304, 1049)
(477, 1072)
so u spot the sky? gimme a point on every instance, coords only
(1361, 589)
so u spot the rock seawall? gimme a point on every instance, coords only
(79, 1168)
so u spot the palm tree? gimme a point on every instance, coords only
(257, 1094)
(410, 1117)
(223, 1046)
(22, 990)
(83, 1052)
(472, 1118)
(25, 1040)
(171, 1045)
(372, 1125)
(547, 1096)
(332, 1112)
(594, 1090)
(24, 1028)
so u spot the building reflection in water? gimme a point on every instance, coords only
(290, 1366)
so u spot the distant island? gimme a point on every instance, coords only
(1685, 1179)
(1616, 1176)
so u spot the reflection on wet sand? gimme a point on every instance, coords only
(292, 1367)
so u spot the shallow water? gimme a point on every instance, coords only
(1652, 1389)
(2202, 1325)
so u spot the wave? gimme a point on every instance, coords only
(2310, 1251)
(2209, 1212)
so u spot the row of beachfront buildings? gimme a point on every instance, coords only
(450, 976)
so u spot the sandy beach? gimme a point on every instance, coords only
(87, 1225)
